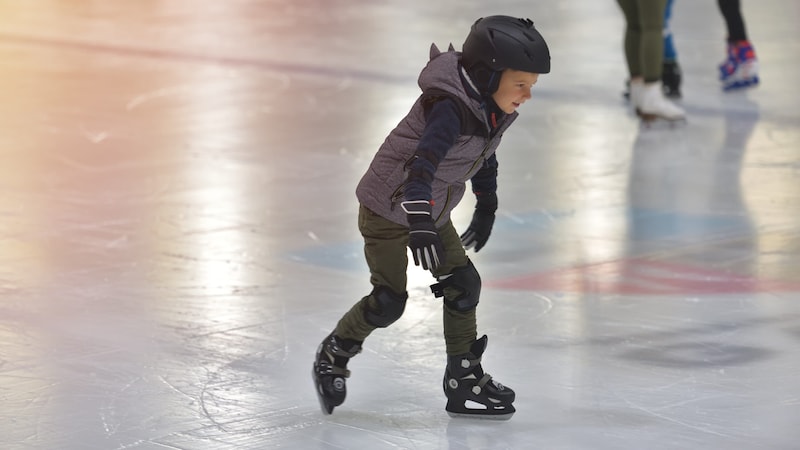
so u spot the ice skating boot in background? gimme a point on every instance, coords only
(740, 69)
(626, 93)
(635, 88)
(651, 105)
(671, 79)
(330, 370)
(471, 392)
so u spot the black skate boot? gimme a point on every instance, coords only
(330, 370)
(472, 393)
(671, 79)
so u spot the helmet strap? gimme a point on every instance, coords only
(494, 83)
(494, 115)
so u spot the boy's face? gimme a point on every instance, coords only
(514, 89)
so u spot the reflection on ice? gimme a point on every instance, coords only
(178, 230)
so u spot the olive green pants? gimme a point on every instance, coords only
(644, 40)
(385, 249)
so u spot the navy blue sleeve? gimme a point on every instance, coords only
(485, 180)
(442, 128)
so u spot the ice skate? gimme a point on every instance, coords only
(650, 104)
(671, 79)
(626, 93)
(740, 69)
(330, 370)
(471, 392)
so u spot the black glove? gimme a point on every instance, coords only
(423, 238)
(482, 221)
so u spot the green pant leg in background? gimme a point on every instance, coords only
(460, 328)
(632, 36)
(644, 40)
(385, 250)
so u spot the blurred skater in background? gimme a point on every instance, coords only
(644, 53)
(671, 70)
(740, 68)
(671, 75)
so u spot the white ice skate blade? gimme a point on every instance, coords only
(480, 414)
(662, 123)
(740, 84)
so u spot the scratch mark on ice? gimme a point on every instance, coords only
(676, 421)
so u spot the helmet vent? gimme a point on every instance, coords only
(530, 55)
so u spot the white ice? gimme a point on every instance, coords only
(178, 232)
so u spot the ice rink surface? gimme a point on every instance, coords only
(178, 232)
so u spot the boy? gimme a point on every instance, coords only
(416, 178)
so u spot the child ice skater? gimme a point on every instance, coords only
(415, 180)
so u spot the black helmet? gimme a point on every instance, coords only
(496, 43)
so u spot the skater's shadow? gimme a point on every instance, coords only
(683, 189)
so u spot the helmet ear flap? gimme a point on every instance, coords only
(485, 79)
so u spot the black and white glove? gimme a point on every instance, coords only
(423, 238)
(482, 221)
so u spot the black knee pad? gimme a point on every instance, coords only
(386, 309)
(467, 281)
